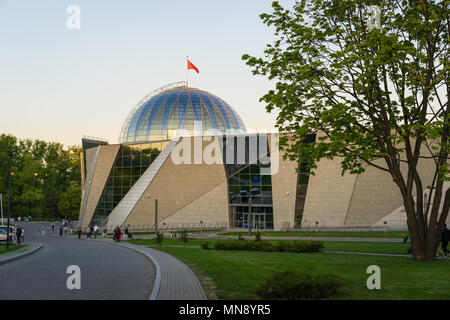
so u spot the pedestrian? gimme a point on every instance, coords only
(445, 236)
(95, 231)
(117, 234)
(79, 232)
(22, 237)
(88, 232)
(18, 234)
(53, 226)
(60, 230)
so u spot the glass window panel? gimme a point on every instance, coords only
(127, 162)
(303, 179)
(135, 160)
(266, 180)
(136, 171)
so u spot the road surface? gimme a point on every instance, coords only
(107, 271)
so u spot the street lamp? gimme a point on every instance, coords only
(10, 155)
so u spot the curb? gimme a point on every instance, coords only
(26, 253)
(157, 285)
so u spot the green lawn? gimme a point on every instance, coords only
(12, 247)
(236, 274)
(375, 234)
(370, 247)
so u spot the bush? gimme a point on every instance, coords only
(306, 246)
(205, 245)
(283, 246)
(159, 238)
(292, 285)
(264, 245)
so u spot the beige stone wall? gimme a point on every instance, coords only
(105, 160)
(328, 195)
(91, 159)
(177, 187)
(376, 195)
(284, 187)
(209, 207)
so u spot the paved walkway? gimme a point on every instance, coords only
(174, 279)
(178, 282)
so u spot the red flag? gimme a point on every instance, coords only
(191, 66)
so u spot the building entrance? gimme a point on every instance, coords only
(261, 217)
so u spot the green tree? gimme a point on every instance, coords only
(46, 177)
(69, 202)
(376, 95)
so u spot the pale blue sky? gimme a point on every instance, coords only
(58, 84)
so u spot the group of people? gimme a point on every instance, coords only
(117, 236)
(89, 231)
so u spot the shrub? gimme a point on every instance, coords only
(264, 245)
(283, 246)
(205, 245)
(159, 238)
(292, 285)
(306, 246)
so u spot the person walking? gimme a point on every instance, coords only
(22, 236)
(445, 236)
(88, 232)
(117, 234)
(79, 232)
(60, 231)
(95, 231)
(18, 234)
(53, 226)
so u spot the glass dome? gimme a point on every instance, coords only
(177, 110)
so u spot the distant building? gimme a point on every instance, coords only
(161, 155)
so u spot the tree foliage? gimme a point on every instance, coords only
(375, 95)
(46, 178)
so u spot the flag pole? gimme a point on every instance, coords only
(187, 70)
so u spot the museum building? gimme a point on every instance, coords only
(185, 158)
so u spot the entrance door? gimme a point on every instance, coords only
(257, 221)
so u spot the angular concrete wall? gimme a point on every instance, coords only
(211, 206)
(284, 188)
(96, 181)
(178, 185)
(328, 195)
(376, 195)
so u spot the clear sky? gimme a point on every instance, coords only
(58, 84)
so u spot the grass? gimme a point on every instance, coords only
(12, 247)
(370, 247)
(236, 274)
(344, 234)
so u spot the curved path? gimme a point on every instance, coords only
(107, 272)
